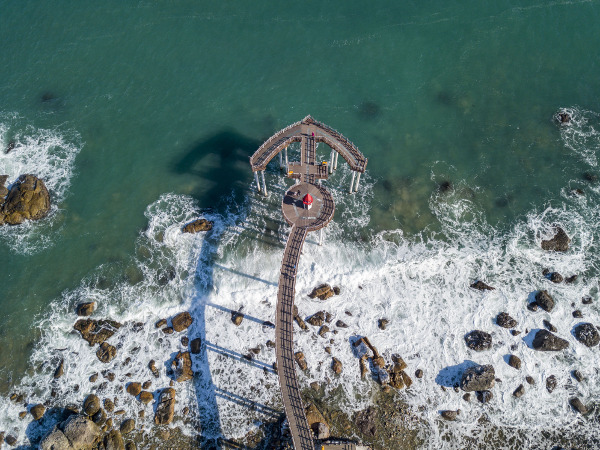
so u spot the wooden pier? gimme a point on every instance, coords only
(303, 218)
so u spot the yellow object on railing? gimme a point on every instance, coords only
(290, 172)
(324, 163)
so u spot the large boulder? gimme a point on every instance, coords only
(587, 334)
(548, 342)
(323, 291)
(55, 440)
(28, 199)
(182, 367)
(544, 300)
(478, 378)
(197, 226)
(165, 407)
(478, 340)
(82, 433)
(96, 331)
(559, 243)
(182, 321)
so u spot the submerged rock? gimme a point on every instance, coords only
(480, 285)
(195, 346)
(484, 396)
(545, 341)
(28, 199)
(478, 378)
(587, 334)
(559, 243)
(198, 225)
(505, 321)
(382, 323)
(478, 340)
(551, 383)
(450, 415)
(578, 406)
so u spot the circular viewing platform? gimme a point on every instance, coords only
(296, 213)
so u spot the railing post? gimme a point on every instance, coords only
(336, 159)
(357, 181)
(262, 173)
(257, 182)
(351, 182)
(286, 159)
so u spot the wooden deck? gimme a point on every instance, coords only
(301, 132)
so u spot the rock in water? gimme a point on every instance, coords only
(127, 426)
(578, 406)
(55, 440)
(484, 396)
(301, 360)
(197, 226)
(3, 190)
(37, 411)
(555, 277)
(165, 408)
(60, 370)
(134, 388)
(146, 397)
(182, 367)
(236, 318)
(544, 300)
(577, 375)
(480, 285)
(106, 352)
(505, 321)
(519, 391)
(96, 331)
(548, 342)
(514, 361)
(28, 199)
(551, 383)
(549, 326)
(91, 405)
(85, 309)
(114, 440)
(478, 340)
(182, 321)
(195, 346)
(559, 243)
(587, 334)
(322, 291)
(449, 415)
(336, 366)
(81, 432)
(478, 378)
(317, 319)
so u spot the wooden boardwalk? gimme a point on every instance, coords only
(308, 132)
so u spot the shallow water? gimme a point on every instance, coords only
(140, 117)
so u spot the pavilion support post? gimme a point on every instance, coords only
(332, 161)
(262, 174)
(357, 181)
(286, 159)
(335, 162)
(321, 237)
(257, 182)
(351, 182)
(280, 161)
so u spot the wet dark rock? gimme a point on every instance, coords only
(484, 396)
(96, 331)
(134, 388)
(587, 334)
(445, 186)
(450, 415)
(93, 377)
(590, 177)
(167, 330)
(478, 378)
(28, 199)
(571, 279)
(419, 373)
(3, 189)
(109, 405)
(182, 321)
(270, 344)
(341, 324)
(559, 243)
(268, 324)
(60, 369)
(85, 309)
(323, 330)
(564, 118)
(153, 369)
(301, 360)
(480, 285)
(10, 147)
(577, 375)
(10, 440)
(336, 366)
(478, 340)
(515, 332)
(161, 323)
(106, 352)
(519, 391)
(467, 397)
(545, 341)
(113, 440)
(127, 426)
(165, 408)
(195, 346)
(530, 380)
(551, 383)
(544, 300)
(146, 397)
(382, 323)
(366, 421)
(185, 341)
(533, 306)
(555, 277)
(505, 320)
(146, 384)
(514, 361)
(587, 300)
(99, 418)
(198, 225)
(549, 326)
(91, 405)
(578, 406)
(323, 292)
(237, 317)
(337, 290)
(317, 319)
(577, 314)
(37, 411)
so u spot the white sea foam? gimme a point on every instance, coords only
(47, 154)
(420, 284)
(582, 134)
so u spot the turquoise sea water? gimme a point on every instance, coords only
(120, 104)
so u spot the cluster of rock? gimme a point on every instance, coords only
(197, 226)
(324, 291)
(27, 199)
